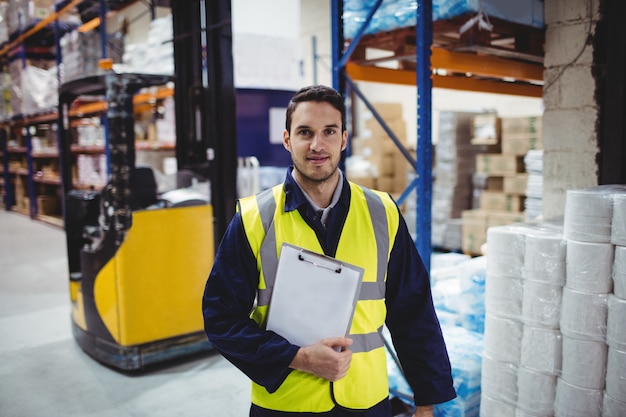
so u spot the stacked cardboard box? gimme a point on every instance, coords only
(387, 167)
(500, 179)
(454, 164)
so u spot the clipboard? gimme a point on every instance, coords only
(314, 296)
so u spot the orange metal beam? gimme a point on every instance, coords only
(485, 65)
(381, 75)
(92, 24)
(406, 77)
(487, 86)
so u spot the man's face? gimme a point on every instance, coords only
(315, 141)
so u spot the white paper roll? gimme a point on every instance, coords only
(616, 323)
(589, 267)
(613, 407)
(543, 246)
(573, 401)
(544, 257)
(505, 250)
(584, 315)
(616, 374)
(535, 391)
(618, 223)
(541, 304)
(593, 201)
(586, 211)
(503, 295)
(521, 413)
(542, 349)
(503, 338)
(584, 363)
(619, 272)
(498, 379)
(588, 229)
(490, 407)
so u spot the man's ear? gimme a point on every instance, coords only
(344, 140)
(286, 142)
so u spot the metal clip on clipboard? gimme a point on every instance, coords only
(302, 258)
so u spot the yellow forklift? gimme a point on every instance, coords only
(138, 260)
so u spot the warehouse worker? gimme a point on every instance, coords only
(316, 208)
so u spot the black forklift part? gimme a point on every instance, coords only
(206, 136)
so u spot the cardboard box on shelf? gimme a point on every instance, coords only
(521, 143)
(388, 111)
(474, 231)
(515, 184)
(385, 183)
(487, 182)
(485, 129)
(364, 181)
(373, 146)
(48, 204)
(384, 163)
(499, 164)
(494, 200)
(521, 124)
(476, 222)
(397, 126)
(502, 219)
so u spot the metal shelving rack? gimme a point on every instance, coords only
(423, 181)
(49, 27)
(508, 59)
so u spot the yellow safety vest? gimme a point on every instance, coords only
(368, 233)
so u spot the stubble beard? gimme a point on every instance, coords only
(314, 180)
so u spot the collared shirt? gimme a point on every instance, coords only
(265, 356)
(323, 213)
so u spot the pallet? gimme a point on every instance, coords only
(506, 39)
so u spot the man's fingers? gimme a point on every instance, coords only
(337, 342)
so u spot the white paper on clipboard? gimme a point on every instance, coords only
(314, 296)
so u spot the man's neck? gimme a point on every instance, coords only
(321, 192)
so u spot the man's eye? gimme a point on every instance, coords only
(330, 131)
(305, 132)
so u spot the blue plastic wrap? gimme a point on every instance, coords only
(395, 14)
(472, 277)
(465, 351)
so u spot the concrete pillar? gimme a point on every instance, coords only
(571, 114)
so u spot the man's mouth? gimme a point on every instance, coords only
(318, 159)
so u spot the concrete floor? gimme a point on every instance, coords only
(43, 372)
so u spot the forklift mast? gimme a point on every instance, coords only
(204, 97)
(137, 270)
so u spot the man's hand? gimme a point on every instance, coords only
(424, 411)
(322, 360)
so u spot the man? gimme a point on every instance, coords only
(318, 209)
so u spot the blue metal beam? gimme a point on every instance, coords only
(424, 185)
(423, 165)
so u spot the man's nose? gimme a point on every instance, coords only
(316, 143)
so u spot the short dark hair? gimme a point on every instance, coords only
(319, 93)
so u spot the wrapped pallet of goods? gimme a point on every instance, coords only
(572, 348)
